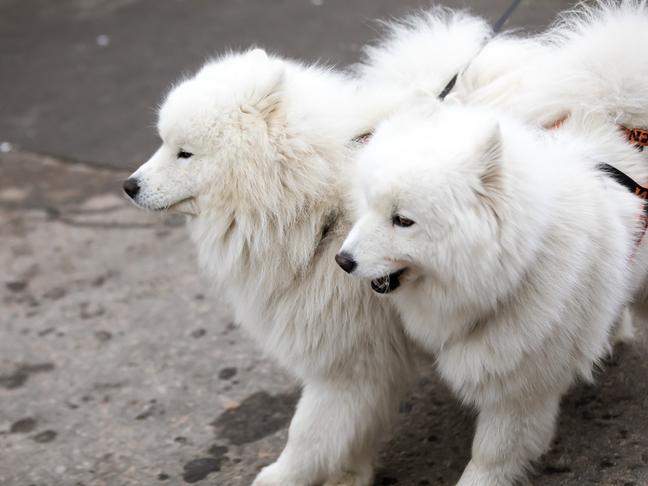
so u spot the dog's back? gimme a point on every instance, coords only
(590, 60)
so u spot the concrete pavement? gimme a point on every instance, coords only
(118, 367)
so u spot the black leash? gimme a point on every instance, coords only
(497, 27)
(448, 87)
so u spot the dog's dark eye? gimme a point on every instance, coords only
(398, 220)
(184, 155)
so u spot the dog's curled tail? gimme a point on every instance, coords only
(421, 53)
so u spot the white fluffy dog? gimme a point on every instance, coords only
(584, 63)
(509, 254)
(410, 58)
(258, 151)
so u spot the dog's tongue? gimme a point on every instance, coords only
(387, 284)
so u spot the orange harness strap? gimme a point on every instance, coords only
(636, 136)
(639, 138)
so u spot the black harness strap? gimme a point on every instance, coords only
(625, 180)
(631, 185)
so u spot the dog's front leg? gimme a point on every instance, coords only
(509, 437)
(334, 435)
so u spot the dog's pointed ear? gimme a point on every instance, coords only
(490, 153)
(492, 174)
(271, 93)
(268, 91)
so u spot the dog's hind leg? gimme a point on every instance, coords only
(334, 435)
(509, 437)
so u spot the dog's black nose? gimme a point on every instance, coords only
(131, 187)
(346, 261)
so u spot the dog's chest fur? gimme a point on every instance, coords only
(287, 293)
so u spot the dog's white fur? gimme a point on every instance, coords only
(517, 264)
(265, 182)
(266, 187)
(411, 59)
(588, 61)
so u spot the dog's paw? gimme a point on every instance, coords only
(474, 476)
(269, 476)
(274, 475)
(364, 478)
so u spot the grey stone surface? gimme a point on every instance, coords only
(119, 367)
(81, 78)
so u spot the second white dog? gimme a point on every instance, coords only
(507, 250)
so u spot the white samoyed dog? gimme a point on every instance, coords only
(258, 151)
(582, 64)
(585, 62)
(509, 253)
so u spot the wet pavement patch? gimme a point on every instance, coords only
(387, 481)
(89, 310)
(198, 333)
(217, 451)
(103, 336)
(55, 293)
(17, 286)
(227, 373)
(606, 463)
(22, 373)
(146, 413)
(556, 469)
(45, 436)
(199, 469)
(258, 416)
(23, 426)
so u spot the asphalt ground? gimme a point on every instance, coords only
(81, 79)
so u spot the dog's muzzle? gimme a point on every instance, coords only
(388, 283)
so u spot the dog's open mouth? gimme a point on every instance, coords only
(388, 283)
